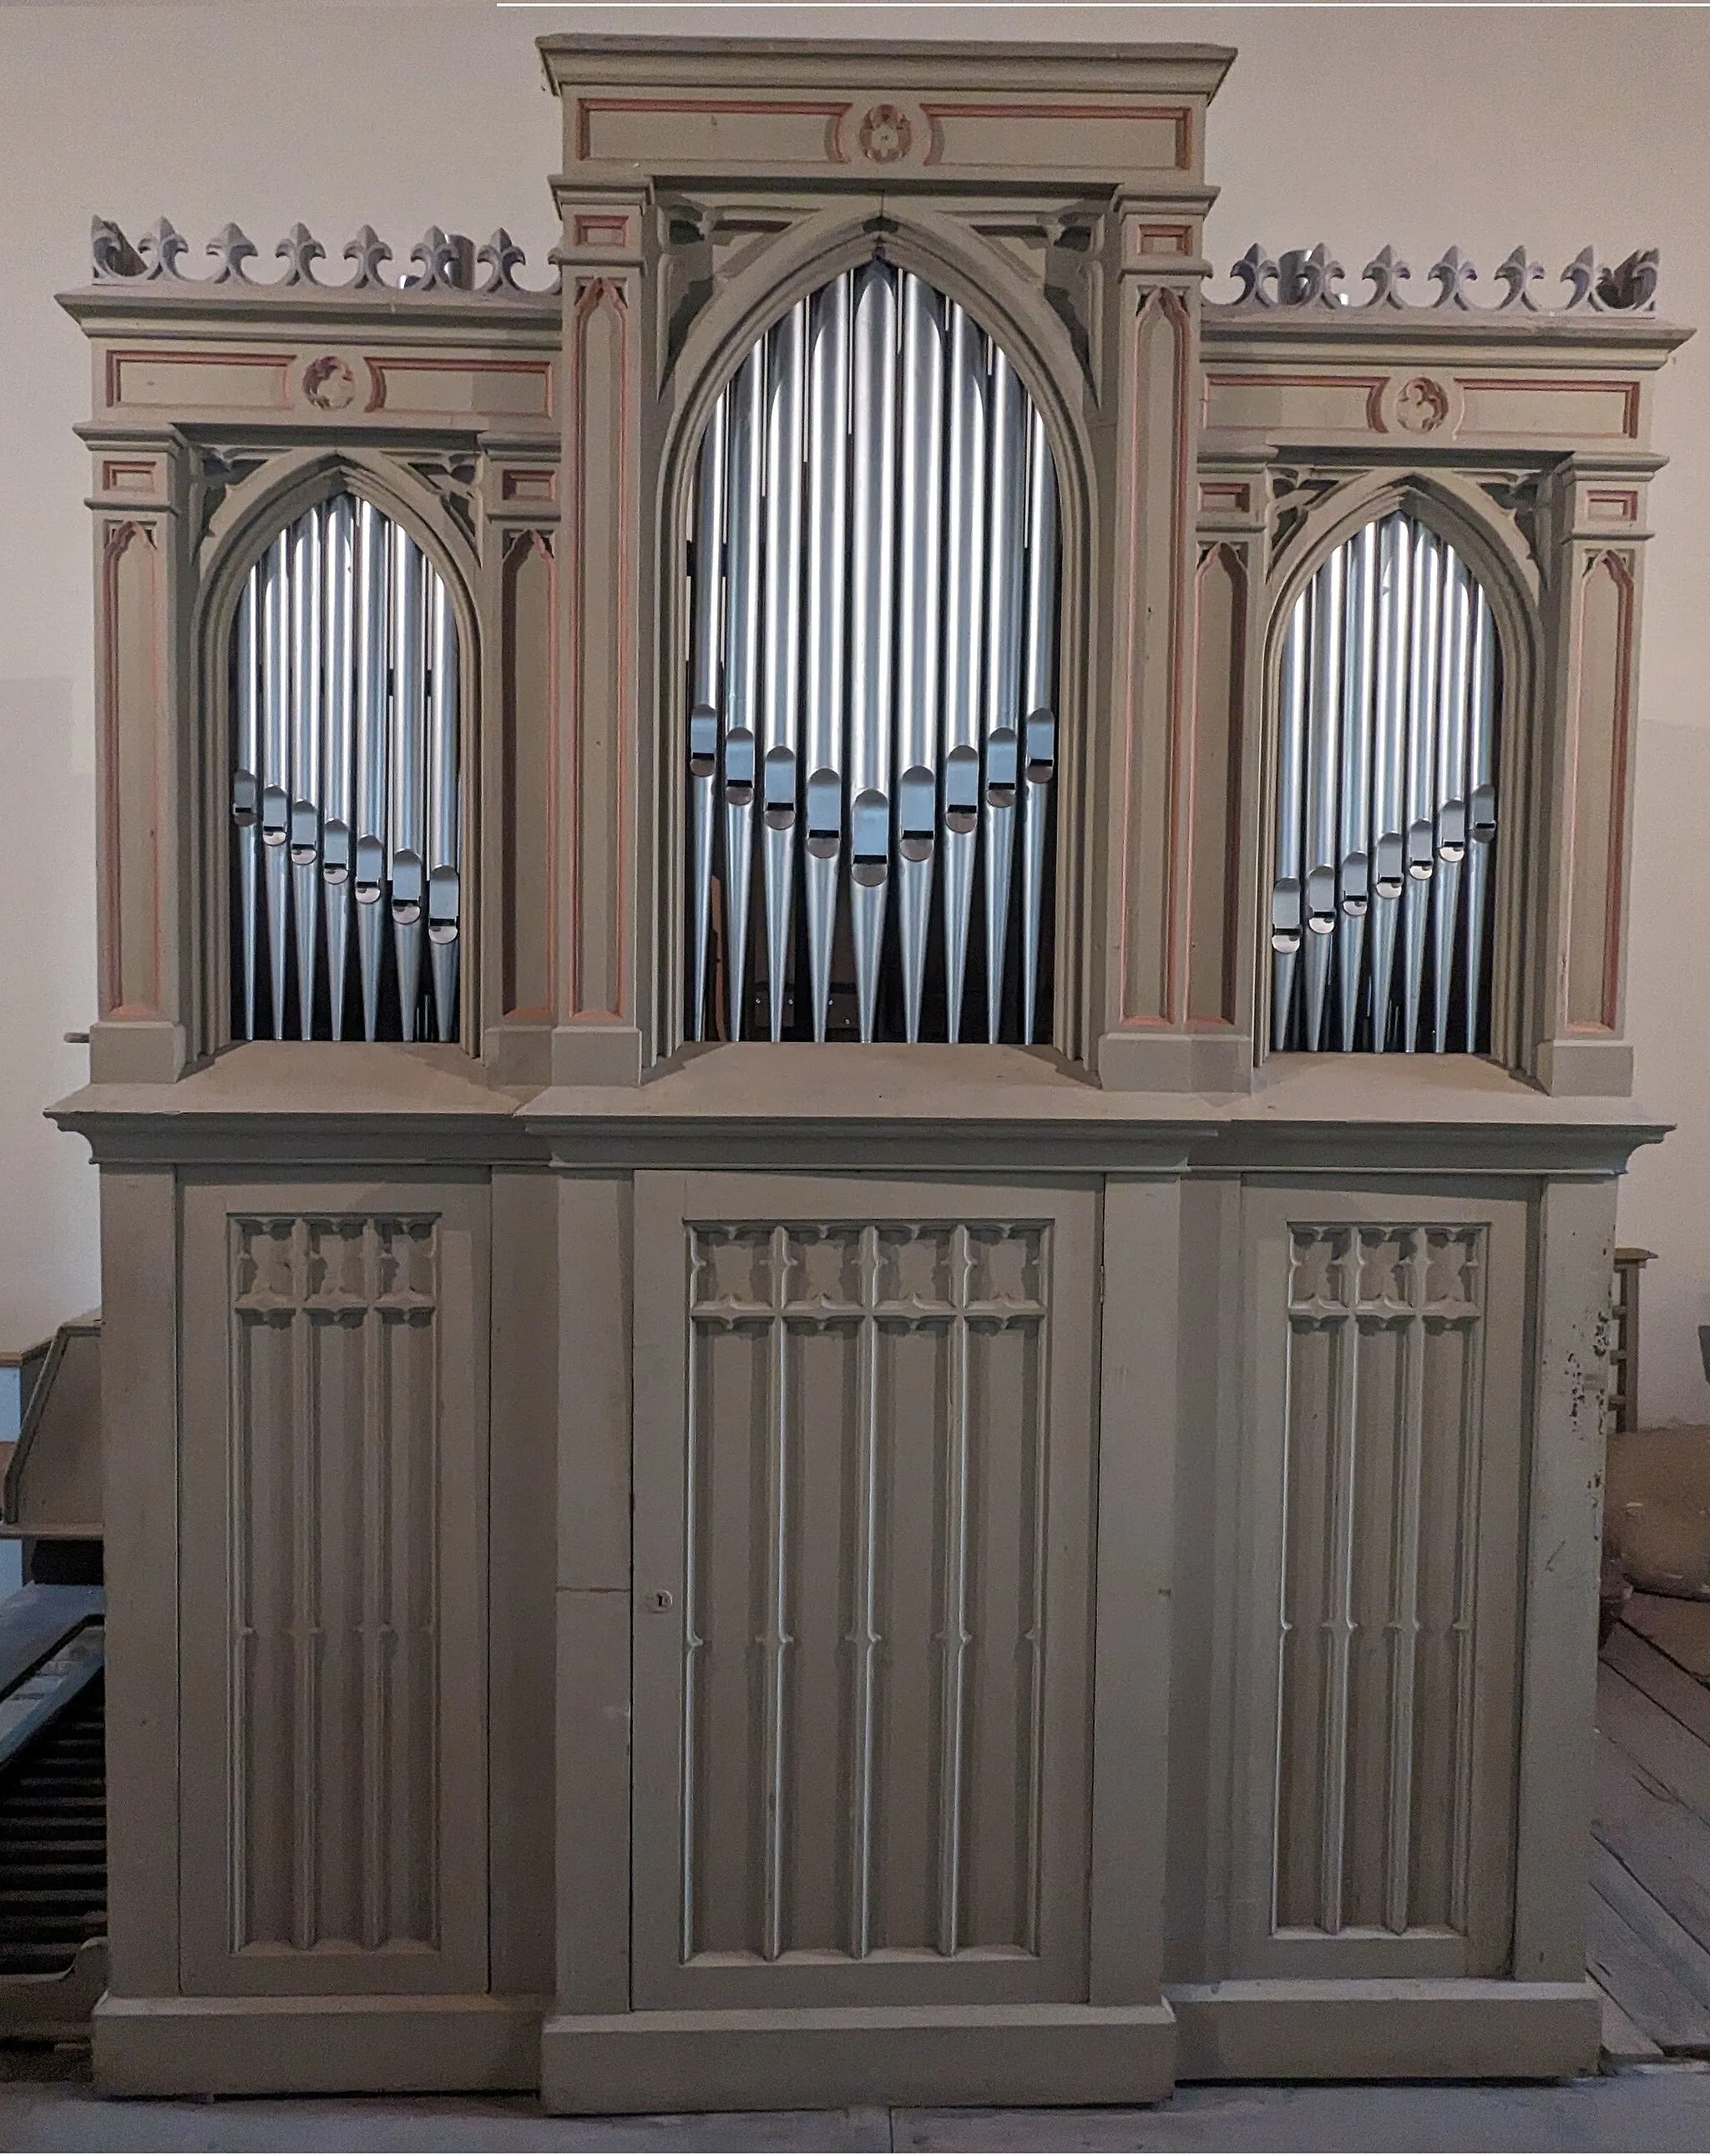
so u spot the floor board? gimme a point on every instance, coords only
(1648, 1943)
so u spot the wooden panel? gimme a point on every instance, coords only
(874, 1644)
(516, 388)
(677, 128)
(134, 636)
(1518, 408)
(1215, 805)
(1385, 1667)
(1048, 135)
(1602, 679)
(529, 639)
(1373, 1815)
(223, 380)
(335, 1521)
(1156, 565)
(1301, 404)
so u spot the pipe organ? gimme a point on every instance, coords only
(872, 651)
(1386, 799)
(346, 784)
(859, 1071)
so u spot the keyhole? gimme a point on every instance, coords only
(661, 1598)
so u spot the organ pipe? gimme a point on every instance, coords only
(346, 767)
(880, 492)
(1385, 799)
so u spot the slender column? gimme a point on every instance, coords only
(149, 1021)
(1140, 989)
(606, 1015)
(1595, 523)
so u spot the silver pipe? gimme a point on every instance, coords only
(373, 616)
(1323, 748)
(1005, 571)
(306, 575)
(742, 540)
(1426, 609)
(826, 684)
(338, 775)
(275, 764)
(444, 804)
(1452, 709)
(1039, 700)
(405, 835)
(1359, 663)
(707, 624)
(965, 634)
(786, 416)
(1389, 717)
(1482, 805)
(1287, 917)
(246, 782)
(920, 629)
(872, 600)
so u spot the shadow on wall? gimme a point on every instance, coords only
(1665, 1202)
(46, 967)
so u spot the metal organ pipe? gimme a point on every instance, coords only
(1385, 796)
(872, 600)
(889, 658)
(346, 766)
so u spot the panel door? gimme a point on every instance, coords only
(863, 1461)
(1376, 1734)
(333, 1572)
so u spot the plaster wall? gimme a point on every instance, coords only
(1354, 126)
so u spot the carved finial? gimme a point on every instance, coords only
(1517, 272)
(1631, 284)
(1581, 274)
(1309, 279)
(1454, 273)
(447, 260)
(299, 250)
(110, 253)
(231, 247)
(367, 250)
(504, 256)
(1253, 272)
(160, 248)
(1385, 272)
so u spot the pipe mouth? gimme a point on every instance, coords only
(1003, 757)
(962, 789)
(739, 767)
(305, 834)
(335, 852)
(703, 742)
(371, 870)
(406, 889)
(275, 815)
(246, 799)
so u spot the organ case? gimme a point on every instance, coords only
(924, 1425)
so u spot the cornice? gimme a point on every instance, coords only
(794, 63)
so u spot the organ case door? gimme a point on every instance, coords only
(863, 1570)
(333, 1588)
(1387, 1453)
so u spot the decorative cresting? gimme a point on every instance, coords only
(872, 670)
(864, 1631)
(1309, 277)
(446, 262)
(1377, 1650)
(346, 784)
(1389, 705)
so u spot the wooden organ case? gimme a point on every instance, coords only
(858, 1089)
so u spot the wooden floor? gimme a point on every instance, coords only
(1650, 1929)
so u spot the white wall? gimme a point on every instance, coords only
(1481, 127)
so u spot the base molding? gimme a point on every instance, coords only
(1384, 2029)
(795, 2058)
(327, 2046)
